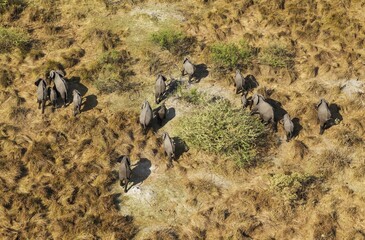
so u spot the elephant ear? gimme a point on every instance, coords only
(61, 73)
(319, 103)
(38, 81)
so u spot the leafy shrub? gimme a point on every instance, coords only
(220, 129)
(231, 55)
(291, 186)
(11, 38)
(276, 56)
(192, 96)
(174, 41)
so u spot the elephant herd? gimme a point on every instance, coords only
(146, 118)
(59, 90)
(259, 105)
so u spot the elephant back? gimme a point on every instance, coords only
(124, 169)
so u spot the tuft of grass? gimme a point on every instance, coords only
(231, 54)
(174, 41)
(6, 78)
(293, 186)
(11, 38)
(15, 6)
(72, 57)
(276, 56)
(192, 95)
(218, 128)
(111, 72)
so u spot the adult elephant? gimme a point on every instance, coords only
(41, 93)
(60, 84)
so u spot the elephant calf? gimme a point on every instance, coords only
(52, 95)
(145, 118)
(60, 84)
(160, 88)
(239, 82)
(244, 100)
(169, 147)
(41, 93)
(125, 172)
(263, 108)
(288, 127)
(161, 113)
(188, 68)
(76, 101)
(324, 115)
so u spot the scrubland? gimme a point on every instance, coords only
(58, 173)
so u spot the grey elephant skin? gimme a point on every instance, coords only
(324, 115)
(239, 82)
(264, 109)
(125, 172)
(60, 84)
(41, 93)
(161, 114)
(52, 94)
(76, 101)
(188, 68)
(145, 118)
(160, 88)
(169, 147)
(288, 127)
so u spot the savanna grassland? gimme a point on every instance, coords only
(59, 173)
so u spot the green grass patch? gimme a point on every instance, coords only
(11, 38)
(276, 56)
(192, 95)
(220, 129)
(231, 54)
(174, 41)
(292, 187)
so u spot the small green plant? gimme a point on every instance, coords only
(231, 54)
(276, 56)
(220, 129)
(174, 41)
(192, 96)
(11, 38)
(291, 186)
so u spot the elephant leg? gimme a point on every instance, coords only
(79, 109)
(43, 105)
(126, 185)
(39, 104)
(288, 136)
(321, 130)
(274, 126)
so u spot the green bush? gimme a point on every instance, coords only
(220, 129)
(291, 186)
(276, 56)
(192, 96)
(11, 38)
(174, 41)
(231, 55)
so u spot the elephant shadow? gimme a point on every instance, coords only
(335, 114)
(297, 127)
(116, 198)
(250, 82)
(91, 101)
(74, 83)
(170, 114)
(201, 71)
(180, 147)
(140, 172)
(172, 87)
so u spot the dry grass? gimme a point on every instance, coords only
(59, 175)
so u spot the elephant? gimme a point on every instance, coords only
(324, 115)
(288, 127)
(52, 95)
(266, 111)
(145, 118)
(60, 83)
(161, 113)
(160, 88)
(239, 82)
(188, 68)
(76, 101)
(169, 147)
(244, 100)
(125, 172)
(41, 93)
